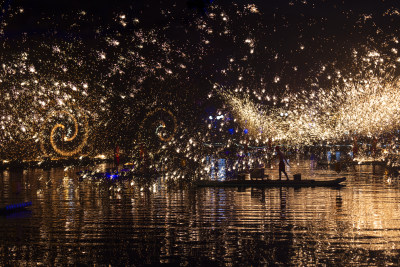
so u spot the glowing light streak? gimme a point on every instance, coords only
(57, 126)
(369, 107)
(161, 124)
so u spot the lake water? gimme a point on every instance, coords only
(72, 222)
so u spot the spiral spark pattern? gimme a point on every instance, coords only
(160, 124)
(60, 115)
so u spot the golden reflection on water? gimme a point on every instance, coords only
(98, 222)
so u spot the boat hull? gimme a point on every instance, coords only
(14, 208)
(270, 183)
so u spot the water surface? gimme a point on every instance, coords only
(102, 223)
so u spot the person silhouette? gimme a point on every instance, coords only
(116, 156)
(282, 160)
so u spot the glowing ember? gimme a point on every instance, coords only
(76, 83)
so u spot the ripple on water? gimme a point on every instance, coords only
(74, 222)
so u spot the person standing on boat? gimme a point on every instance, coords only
(116, 157)
(282, 160)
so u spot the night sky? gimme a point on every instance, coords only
(287, 34)
(127, 58)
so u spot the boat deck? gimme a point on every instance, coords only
(270, 183)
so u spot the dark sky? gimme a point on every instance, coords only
(302, 35)
(294, 44)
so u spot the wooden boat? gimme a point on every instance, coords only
(104, 175)
(351, 163)
(270, 183)
(14, 208)
(124, 174)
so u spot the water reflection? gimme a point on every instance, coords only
(101, 222)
